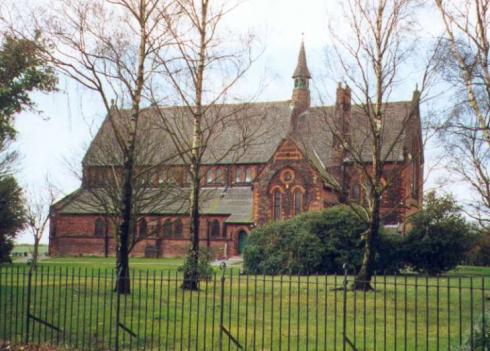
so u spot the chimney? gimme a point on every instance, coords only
(343, 109)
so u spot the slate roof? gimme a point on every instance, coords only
(266, 125)
(270, 121)
(315, 125)
(262, 125)
(234, 202)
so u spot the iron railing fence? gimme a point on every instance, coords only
(78, 309)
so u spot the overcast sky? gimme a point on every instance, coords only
(69, 118)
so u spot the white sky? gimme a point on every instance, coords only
(70, 117)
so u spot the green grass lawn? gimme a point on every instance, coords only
(262, 312)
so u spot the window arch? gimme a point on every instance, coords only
(143, 228)
(167, 228)
(100, 227)
(298, 202)
(215, 229)
(415, 177)
(356, 192)
(367, 192)
(276, 204)
(178, 228)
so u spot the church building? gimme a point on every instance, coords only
(297, 165)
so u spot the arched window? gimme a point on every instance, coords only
(367, 192)
(248, 175)
(356, 192)
(415, 178)
(143, 228)
(298, 202)
(167, 228)
(276, 205)
(178, 228)
(219, 176)
(238, 175)
(100, 227)
(209, 176)
(215, 230)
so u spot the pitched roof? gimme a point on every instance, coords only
(235, 202)
(249, 133)
(252, 136)
(315, 129)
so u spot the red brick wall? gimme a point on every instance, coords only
(287, 158)
(74, 235)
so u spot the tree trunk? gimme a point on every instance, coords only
(123, 280)
(35, 253)
(191, 275)
(363, 278)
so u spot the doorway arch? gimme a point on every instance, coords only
(242, 241)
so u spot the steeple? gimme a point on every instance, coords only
(301, 77)
(301, 70)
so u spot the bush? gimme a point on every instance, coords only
(203, 269)
(6, 246)
(315, 242)
(340, 231)
(478, 339)
(440, 236)
(282, 248)
(479, 254)
(12, 214)
(390, 253)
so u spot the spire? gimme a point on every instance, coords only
(300, 100)
(302, 70)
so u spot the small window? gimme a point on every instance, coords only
(178, 228)
(219, 175)
(298, 202)
(143, 228)
(215, 231)
(356, 192)
(248, 175)
(276, 205)
(100, 227)
(415, 178)
(238, 175)
(155, 228)
(209, 176)
(167, 229)
(367, 192)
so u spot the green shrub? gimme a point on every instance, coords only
(390, 253)
(203, 268)
(282, 248)
(440, 236)
(315, 242)
(479, 254)
(478, 339)
(6, 246)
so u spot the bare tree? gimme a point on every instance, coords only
(465, 64)
(205, 66)
(38, 207)
(153, 190)
(109, 47)
(374, 151)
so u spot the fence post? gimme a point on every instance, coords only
(344, 310)
(221, 306)
(28, 307)
(118, 316)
